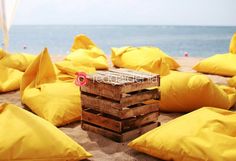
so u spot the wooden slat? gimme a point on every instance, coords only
(90, 100)
(139, 109)
(140, 96)
(104, 132)
(102, 89)
(138, 132)
(116, 136)
(117, 125)
(99, 102)
(139, 86)
(125, 80)
(101, 121)
(139, 121)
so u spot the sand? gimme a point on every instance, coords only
(101, 147)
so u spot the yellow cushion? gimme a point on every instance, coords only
(232, 82)
(148, 59)
(82, 42)
(25, 136)
(56, 101)
(184, 92)
(86, 53)
(220, 64)
(71, 67)
(232, 47)
(205, 134)
(9, 79)
(2, 53)
(17, 61)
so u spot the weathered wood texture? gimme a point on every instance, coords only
(116, 124)
(126, 136)
(113, 108)
(120, 104)
(126, 100)
(115, 83)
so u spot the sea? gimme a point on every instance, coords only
(198, 41)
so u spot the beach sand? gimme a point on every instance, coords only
(101, 147)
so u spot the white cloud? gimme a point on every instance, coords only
(156, 12)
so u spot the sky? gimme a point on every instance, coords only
(126, 12)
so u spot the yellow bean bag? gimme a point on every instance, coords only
(232, 47)
(17, 61)
(220, 64)
(25, 137)
(71, 67)
(2, 53)
(184, 92)
(9, 79)
(148, 59)
(232, 82)
(86, 53)
(205, 134)
(82, 42)
(56, 101)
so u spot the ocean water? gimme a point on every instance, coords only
(198, 41)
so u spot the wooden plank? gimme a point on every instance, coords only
(115, 124)
(98, 102)
(122, 75)
(90, 100)
(139, 121)
(139, 96)
(102, 121)
(139, 109)
(139, 86)
(102, 89)
(104, 132)
(117, 136)
(129, 135)
(112, 84)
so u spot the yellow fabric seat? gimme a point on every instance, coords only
(9, 79)
(3, 53)
(220, 64)
(232, 46)
(205, 134)
(232, 82)
(56, 101)
(71, 67)
(185, 92)
(86, 53)
(17, 61)
(25, 137)
(148, 59)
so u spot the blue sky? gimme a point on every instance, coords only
(126, 12)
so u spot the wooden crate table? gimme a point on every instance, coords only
(120, 103)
